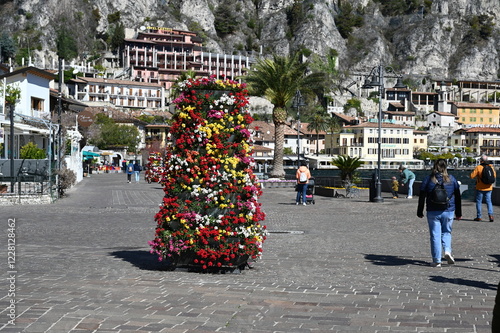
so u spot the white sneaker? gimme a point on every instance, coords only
(449, 258)
(436, 264)
(304, 204)
(296, 203)
(409, 197)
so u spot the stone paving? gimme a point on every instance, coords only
(341, 265)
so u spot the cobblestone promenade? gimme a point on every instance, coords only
(341, 265)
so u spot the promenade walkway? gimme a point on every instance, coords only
(341, 265)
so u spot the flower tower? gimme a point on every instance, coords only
(154, 168)
(210, 216)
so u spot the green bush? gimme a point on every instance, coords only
(30, 151)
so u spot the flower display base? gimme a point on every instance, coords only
(187, 260)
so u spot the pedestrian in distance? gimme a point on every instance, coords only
(394, 187)
(137, 170)
(130, 171)
(302, 175)
(485, 176)
(407, 179)
(440, 193)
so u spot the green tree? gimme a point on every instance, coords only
(7, 47)
(333, 125)
(30, 151)
(318, 122)
(117, 36)
(348, 19)
(347, 166)
(277, 79)
(66, 44)
(226, 21)
(109, 134)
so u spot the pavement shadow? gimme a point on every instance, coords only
(141, 259)
(497, 258)
(463, 282)
(387, 260)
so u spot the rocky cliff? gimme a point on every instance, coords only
(436, 39)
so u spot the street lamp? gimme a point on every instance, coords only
(377, 80)
(298, 101)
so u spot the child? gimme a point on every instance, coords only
(394, 188)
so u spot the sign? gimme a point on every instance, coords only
(85, 118)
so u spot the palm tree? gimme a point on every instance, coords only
(318, 123)
(334, 126)
(347, 166)
(277, 79)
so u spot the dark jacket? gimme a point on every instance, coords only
(453, 190)
(137, 167)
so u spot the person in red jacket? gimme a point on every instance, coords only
(302, 175)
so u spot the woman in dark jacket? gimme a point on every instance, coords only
(439, 217)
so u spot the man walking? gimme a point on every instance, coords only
(485, 176)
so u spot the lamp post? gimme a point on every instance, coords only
(298, 101)
(377, 80)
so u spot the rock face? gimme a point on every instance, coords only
(453, 39)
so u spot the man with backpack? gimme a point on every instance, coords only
(485, 176)
(302, 175)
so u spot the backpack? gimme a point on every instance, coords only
(487, 176)
(439, 197)
(302, 177)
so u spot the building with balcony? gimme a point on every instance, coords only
(31, 112)
(117, 93)
(361, 141)
(480, 139)
(160, 55)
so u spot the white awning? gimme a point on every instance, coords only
(25, 128)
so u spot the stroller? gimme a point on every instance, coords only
(310, 191)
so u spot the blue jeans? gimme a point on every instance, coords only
(301, 192)
(136, 173)
(479, 202)
(410, 187)
(440, 225)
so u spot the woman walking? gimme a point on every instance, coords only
(440, 192)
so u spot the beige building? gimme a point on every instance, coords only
(476, 113)
(361, 141)
(481, 140)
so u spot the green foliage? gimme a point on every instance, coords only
(114, 18)
(117, 36)
(66, 44)
(401, 7)
(424, 155)
(353, 103)
(347, 166)
(196, 27)
(287, 151)
(348, 19)
(114, 135)
(153, 119)
(12, 93)
(481, 26)
(7, 46)
(30, 151)
(294, 17)
(226, 21)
